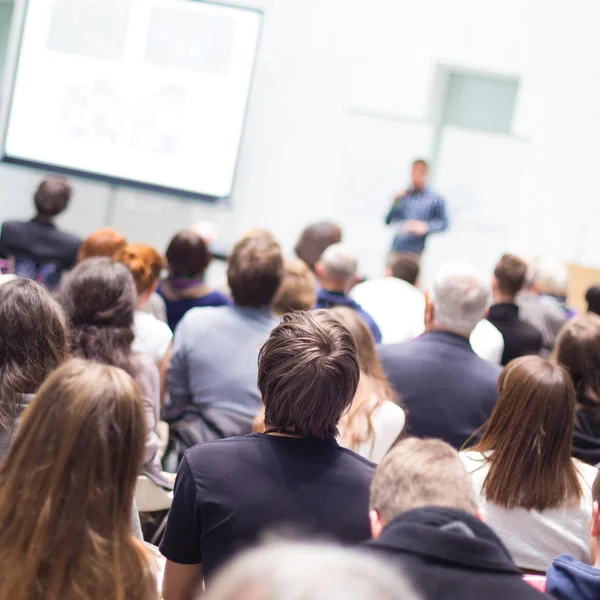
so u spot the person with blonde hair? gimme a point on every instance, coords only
(297, 290)
(374, 421)
(67, 488)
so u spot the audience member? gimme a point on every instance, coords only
(541, 301)
(571, 579)
(337, 274)
(578, 350)
(188, 258)
(424, 518)
(315, 239)
(153, 338)
(229, 492)
(297, 290)
(592, 297)
(102, 242)
(535, 497)
(99, 298)
(37, 248)
(448, 391)
(34, 342)
(289, 571)
(66, 491)
(212, 384)
(520, 338)
(374, 421)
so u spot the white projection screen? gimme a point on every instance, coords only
(147, 93)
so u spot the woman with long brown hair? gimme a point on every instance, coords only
(374, 421)
(534, 495)
(66, 491)
(578, 350)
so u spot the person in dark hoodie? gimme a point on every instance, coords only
(337, 272)
(570, 579)
(424, 517)
(578, 350)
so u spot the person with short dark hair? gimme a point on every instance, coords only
(188, 258)
(37, 248)
(212, 375)
(520, 338)
(424, 519)
(418, 211)
(592, 297)
(292, 477)
(315, 239)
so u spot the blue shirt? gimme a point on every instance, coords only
(422, 205)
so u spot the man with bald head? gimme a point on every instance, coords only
(337, 273)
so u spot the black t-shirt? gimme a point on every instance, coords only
(228, 492)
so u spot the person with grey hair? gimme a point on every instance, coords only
(291, 571)
(449, 392)
(337, 273)
(424, 518)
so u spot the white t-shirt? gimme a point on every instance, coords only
(536, 538)
(152, 337)
(487, 342)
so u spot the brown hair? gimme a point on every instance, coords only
(255, 270)
(529, 436)
(405, 266)
(308, 374)
(362, 409)
(103, 242)
(422, 162)
(66, 491)
(297, 290)
(315, 239)
(145, 264)
(596, 488)
(417, 473)
(578, 350)
(187, 255)
(510, 273)
(52, 196)
(34, 342)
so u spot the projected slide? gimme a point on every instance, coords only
(147, 92)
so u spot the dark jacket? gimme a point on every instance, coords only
(569, 579)
(520, 338)
(450, 555)
(326, 299)
(586, 434)
(448, 391)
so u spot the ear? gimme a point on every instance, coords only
(388, 272)
(595, 524)
(429, 312)
(494, 285)
(319, 270)
(376, 523)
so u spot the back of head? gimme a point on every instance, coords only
(551, 277)
(33, 343)
(145, 264)
(529, 434)
(417, 473)
(255, 270)
(592, 297)
(103, 242)
(315, 239)
(188, 256)
(297, 290)
(578, 350)
(52, 196)
(308, 374)
(405, 266)
(460, 297)
(284, 571)
(67, 489)
(510, 274)
(338, 263)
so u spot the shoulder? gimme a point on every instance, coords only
(390, 414)
(586, 472)
(397, 350)
(205, 454)
(473, 461)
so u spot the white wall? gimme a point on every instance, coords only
(341, 102)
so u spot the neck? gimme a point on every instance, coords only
(45, 218)
(500, 298)
(335, 286)
(443, 329)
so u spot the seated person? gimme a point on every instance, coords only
(424, 518)
(448, 391)
(188, 258)
(337, 273)
(293, 477)
(534, 495)
(37, 248)
(315, 239)
(297, 290)
(102, 242)
(520, 338)
(571, 579)
(592, 297)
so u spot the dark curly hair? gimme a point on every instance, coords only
(34, 342)
(99, 298)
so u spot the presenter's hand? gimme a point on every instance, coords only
(399, 196)
(416, 227)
